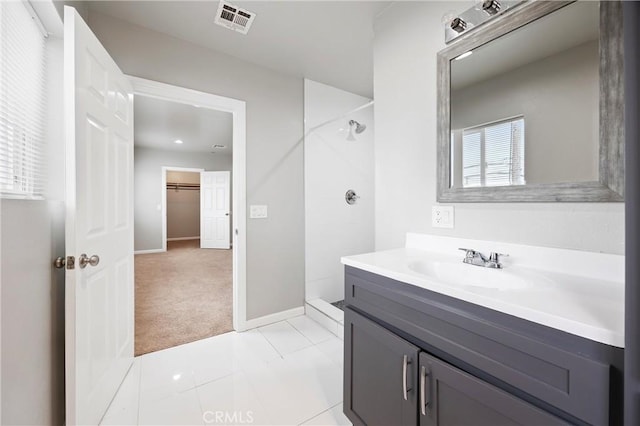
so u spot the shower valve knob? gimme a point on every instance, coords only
(351, 196)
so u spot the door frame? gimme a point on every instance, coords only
(163, 202)
(237, 108)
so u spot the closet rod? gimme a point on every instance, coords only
(188, 186)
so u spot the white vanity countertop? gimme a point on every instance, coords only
(581, 293)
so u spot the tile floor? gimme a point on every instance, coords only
(287, 373)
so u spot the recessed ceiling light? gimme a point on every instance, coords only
(178, 141)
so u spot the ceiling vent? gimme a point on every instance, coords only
(234, 17)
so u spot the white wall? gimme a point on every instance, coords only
(32, 235)
(334, 165)
(183, 206)
(275, 246)
(147, 182)
(408, 36)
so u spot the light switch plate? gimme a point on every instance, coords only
(442, 216)
(257, 212)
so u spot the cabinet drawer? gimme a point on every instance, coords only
(484, 342)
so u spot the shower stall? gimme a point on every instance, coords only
(339, 189)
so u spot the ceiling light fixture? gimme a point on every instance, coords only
(178, 141)
(458, 25)
(491, 7)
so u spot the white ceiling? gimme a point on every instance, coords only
(158, 123)
(327, 41)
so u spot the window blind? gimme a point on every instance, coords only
(493, 154)
(472, 159)
(22, 103)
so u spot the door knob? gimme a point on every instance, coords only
(85, 260)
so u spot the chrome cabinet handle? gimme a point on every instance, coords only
(405, 362)
(85, 260)
(424, 403)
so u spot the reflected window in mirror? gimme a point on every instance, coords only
(491, 154)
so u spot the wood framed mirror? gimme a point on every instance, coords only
(535, 113)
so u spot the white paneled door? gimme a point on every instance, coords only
(99, 224)
(214, 209)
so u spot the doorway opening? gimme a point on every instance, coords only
(189, 281)
(181, 207)
(203, 212)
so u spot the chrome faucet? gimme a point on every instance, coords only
(474, 257)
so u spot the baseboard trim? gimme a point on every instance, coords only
(325, 319)
(326, 309)
(149, 251)
(183, 238)
(270, 319)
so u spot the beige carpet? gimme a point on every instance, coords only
(183, 295)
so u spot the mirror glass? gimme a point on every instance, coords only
(525, 106)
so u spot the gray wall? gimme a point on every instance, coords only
(32, 318)
(147, 182)
(407, 37)
(183, 206)
(558, 97)
(275, 246)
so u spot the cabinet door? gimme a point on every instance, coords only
(380, 374)
(449, 396)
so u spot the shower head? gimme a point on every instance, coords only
(359, 127)
(355, 126)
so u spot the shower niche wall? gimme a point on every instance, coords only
(338, 158)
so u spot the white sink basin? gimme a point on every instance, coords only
(458, 273)
(578, 292)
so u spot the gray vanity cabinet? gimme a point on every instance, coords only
(449, 396)
(382, 372)
(389, 381)
(482, 367)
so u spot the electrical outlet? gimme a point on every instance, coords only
(257, 212)
(442, 216)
